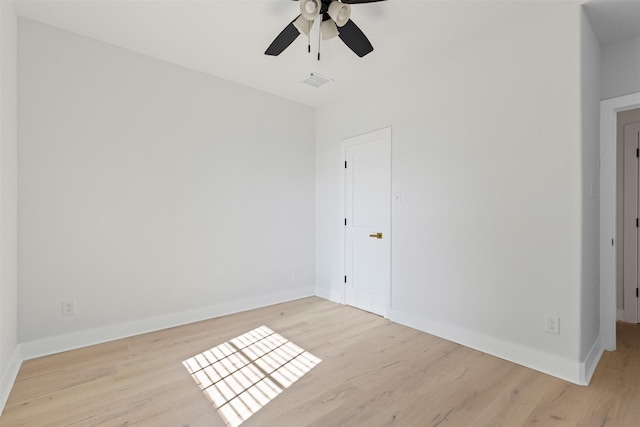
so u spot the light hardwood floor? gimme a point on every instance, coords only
(373, 373)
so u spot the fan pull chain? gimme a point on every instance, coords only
(319, 39)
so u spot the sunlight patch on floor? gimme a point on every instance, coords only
(242, 375)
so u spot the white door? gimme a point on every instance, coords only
(368, 221)
(631, 221)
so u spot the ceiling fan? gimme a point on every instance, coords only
(335, 21)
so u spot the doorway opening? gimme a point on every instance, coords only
(628, 214)
(608, 213)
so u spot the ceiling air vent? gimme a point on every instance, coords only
(317, 80)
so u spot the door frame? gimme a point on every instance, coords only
(609, 109)
(350, 142)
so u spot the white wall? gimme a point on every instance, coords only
(621, 68)
(487, 154)
(146, 190)
(8, 200)
(590, 121)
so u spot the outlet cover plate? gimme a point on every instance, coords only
(552, 324)
(68, 307)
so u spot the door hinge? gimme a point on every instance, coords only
(345, 279)
(345, 164)
(638, 152)
(345, 221)
(636, 292)
(636, 222)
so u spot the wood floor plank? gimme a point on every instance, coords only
(373, 373)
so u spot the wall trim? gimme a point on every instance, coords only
(330, 294)
(560, 367)
(608, 306)
(620, 315)
(588, 367)
(9, 376)
(87, 337)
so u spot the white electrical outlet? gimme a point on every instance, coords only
(552, 324)
(68, 307)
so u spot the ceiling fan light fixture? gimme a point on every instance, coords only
(329, 29)
(303, 25)
(339, 12)
(310, 9)
(349, 32)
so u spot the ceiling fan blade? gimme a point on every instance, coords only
(284, 39)
(355, 39)
(359, 1)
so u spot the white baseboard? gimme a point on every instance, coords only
(9, 377)
(588, 367)
(560, 367)
(620, 315)
(84, 338)
(330, 294)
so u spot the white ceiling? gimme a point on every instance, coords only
(227, 38)
(613, 21)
